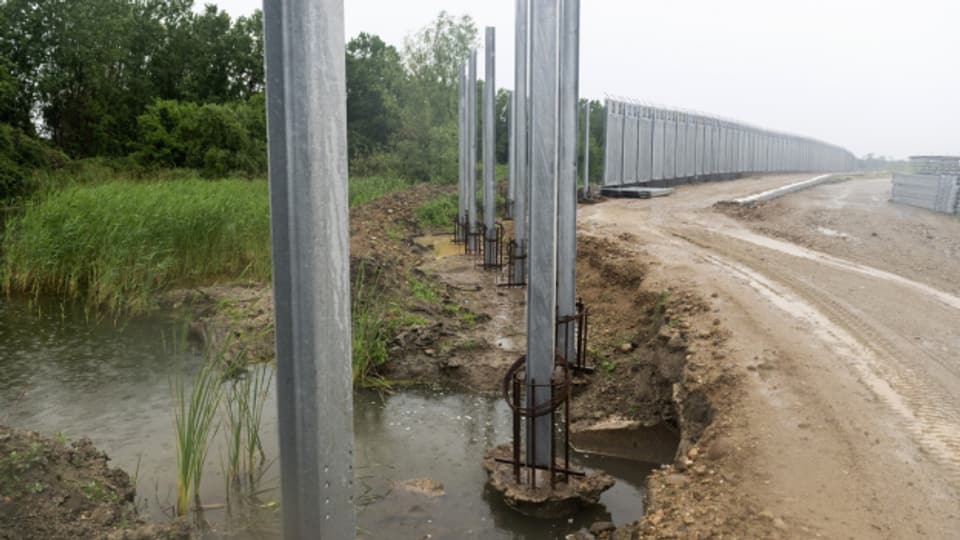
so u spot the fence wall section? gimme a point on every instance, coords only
(660, 147)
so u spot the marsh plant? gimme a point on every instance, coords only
(244, 400)
(196, 422)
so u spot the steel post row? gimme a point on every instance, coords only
(662, 147)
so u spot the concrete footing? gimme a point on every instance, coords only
(565, 499)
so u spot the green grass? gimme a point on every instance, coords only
(367, 188)
(111, 240)
(112, 246)
(438, 213)
(371, 331)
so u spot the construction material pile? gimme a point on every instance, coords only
(934, 184)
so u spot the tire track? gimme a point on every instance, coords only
(890, 370)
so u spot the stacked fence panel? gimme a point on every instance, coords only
(934, 184)
(662, 147)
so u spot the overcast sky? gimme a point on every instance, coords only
(879, 76)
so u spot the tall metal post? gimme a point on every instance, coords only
(462, 131)
(521, 131)
(511, 154)
(307, 133)
(567, 182)
(489, 146)
(472, 154)
(542, 286)
(586, 149)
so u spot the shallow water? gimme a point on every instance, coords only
(62, 373)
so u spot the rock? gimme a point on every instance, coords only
(429, 352)
(719, 449)
(421, 486)
(716, 322)
(454, 363)
(601, 527)
(675, 479)
(626, 347)
(688, 519)
(580, 535)
(656, 517)
(780, 524)
(676, 342)
(693, 453)
(766, 514)
(700, 469)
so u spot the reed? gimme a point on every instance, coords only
(112, 246)
(195, 418)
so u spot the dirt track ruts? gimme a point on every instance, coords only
(849, 418)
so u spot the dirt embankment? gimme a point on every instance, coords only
(51, 490)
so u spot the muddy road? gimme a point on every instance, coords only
(844, 318)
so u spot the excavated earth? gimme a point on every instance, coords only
(53, 490)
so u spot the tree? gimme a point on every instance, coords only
(375, 78)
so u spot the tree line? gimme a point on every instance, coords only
(159, 84)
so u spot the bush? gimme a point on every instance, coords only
(438, 213)
(216, 139)
(20, 155)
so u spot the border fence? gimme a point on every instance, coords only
(661, 147)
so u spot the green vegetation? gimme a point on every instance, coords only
(423, 290)
(365, 189)
(213, 138)
(196, 423)
(245, 398)
(438, 213)
(114, 245)
(16, 463)
(371, 330)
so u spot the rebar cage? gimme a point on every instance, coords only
(578, 323)
(521, 395)
(491, 253)
(516, 265)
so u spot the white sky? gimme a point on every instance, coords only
(879, 76)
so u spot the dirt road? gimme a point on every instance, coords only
(845, 325)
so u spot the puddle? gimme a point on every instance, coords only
(441, 244)
(62, 374)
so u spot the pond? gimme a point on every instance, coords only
(64, 373)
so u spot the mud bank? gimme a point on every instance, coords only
(51, 489)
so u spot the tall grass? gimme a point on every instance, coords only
(438, 213)
(371, 330)
(366, 188)
(195, 417)
(114, 245)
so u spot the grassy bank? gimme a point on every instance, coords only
(113, 246)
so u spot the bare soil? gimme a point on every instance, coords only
(834, 393)
(51, 490)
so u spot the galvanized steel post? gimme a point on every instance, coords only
(522, 143)
(472, 153)
(567, 181)
(511, 154)
(462, 180)
(542, 286)
(307, 133)
(489, 146)
(586, 149)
